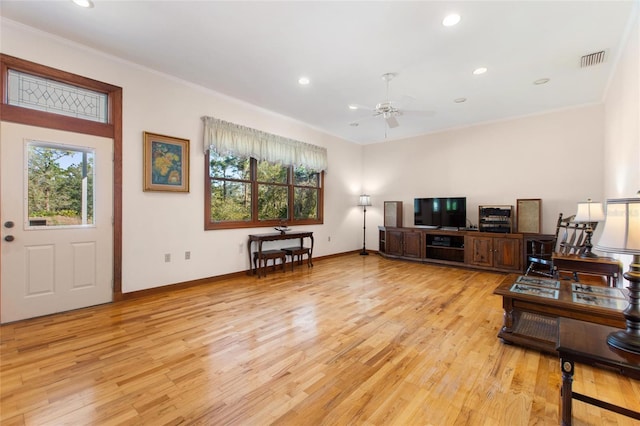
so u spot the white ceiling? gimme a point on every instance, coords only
(256, 51)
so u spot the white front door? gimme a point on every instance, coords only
(54, 259)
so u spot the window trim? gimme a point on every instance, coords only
(254, 223)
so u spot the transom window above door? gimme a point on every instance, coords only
(44, 94)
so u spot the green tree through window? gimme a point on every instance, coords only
(56, 193)
(247, 193)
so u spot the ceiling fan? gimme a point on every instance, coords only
(387, 109)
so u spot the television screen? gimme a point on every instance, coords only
(440, 212)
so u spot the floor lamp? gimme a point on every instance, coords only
(364, 201)
(622, 235)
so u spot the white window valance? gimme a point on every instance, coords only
(233, 139)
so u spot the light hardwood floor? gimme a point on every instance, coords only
(354, 340)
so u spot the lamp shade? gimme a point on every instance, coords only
(622, 227)
(589, 212)
(365, 200)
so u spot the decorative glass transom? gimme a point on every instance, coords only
(33, 92)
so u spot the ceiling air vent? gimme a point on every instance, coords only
(592, 59)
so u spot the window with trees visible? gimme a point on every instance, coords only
(60, 181)
(244, 192)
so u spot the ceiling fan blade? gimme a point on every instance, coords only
(363, 107)
(414, 113)
(362, 120)
(392, 122)
(403, 101)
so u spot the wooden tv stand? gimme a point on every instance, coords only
(530, 318)
(481, 250)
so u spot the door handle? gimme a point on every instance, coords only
(9, 238)
(8, 224)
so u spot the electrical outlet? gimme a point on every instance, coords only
(187, 255)
(167, 257)
(329, 239)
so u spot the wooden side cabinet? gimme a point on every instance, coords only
(393, 242)
(481, 250)
(413, 244)
(382, 239)
(403, 243)
(500, 252)
(507, 253)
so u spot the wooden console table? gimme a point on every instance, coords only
(276, 236)
(530, 319)
(605, 266)
(586, 343)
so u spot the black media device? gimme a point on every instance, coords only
(442, 241)
(448, 212)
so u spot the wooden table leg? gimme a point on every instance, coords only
(251, 264)
(567, 381)
(507, 316)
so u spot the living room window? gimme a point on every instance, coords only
(246, 191)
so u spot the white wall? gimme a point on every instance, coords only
(622, 120)
(556, 157)
(622, 124)
(159, 223)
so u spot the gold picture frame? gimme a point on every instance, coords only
(166, 163)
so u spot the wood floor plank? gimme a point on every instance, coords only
(355, 340)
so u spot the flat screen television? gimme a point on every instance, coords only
(449, 212)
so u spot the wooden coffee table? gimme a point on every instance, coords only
(532, 309)
(586, 343)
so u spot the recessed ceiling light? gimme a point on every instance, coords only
(541, 81)
(480, 70)
(451, 20)
(304, 81)
(353, 106)
(83, 3)
(460, 100)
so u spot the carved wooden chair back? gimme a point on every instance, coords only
(571, 236)
(541, 252)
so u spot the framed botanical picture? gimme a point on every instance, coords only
(166, 163)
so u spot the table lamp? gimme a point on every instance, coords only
(364, 201)
(589, 213)
(622, 235)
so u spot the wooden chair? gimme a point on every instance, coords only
(570, 238)
(260, 260)
(298, 251)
